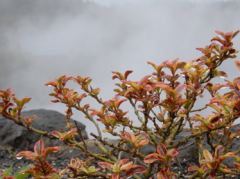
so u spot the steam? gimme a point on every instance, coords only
(41, 40)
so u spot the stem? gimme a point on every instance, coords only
(80, 134)
(209, 141)
(88, 116)
(19, 122)
(136, 111)
(118, 148)
(198, 110)
(157, 117)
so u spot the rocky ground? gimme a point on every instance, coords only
(8, 158)
(14, 139)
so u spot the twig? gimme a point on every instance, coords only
(200, 109)
(117, 147)
(136, 111)
(80, 134)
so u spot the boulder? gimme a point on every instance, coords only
(20, 138)
(188, 153)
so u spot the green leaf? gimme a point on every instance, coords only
(8, 171)
(20, 173)
(92, 169)
(207, 155)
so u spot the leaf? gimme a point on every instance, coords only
(157, 68)
(92, 169)
(161, 149)
(218, 73)
(125, 164)
(95, 91)
(237, 63)
(56, 134)
(227, 34)
(52, 83)
(21, 174)
(145, 80)
(165, 87)
(105, 165)
(27, 154)
(115, 176)
(151, 158)
(193, 168)
(39, 147)
(52, 150)
(215, 119)
(172, 152)
(137, 140)
(218, 151)
(153, 65)
(207, 155)
(134, 85)
(8, 171)
(135, 169)
(63, 136)
(117, 75)
(127, 73)
(188, 66)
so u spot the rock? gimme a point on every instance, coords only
(20, 138)
(188, 153)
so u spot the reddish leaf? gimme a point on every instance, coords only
(151, 158)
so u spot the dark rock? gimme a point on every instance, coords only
(14, 138)
(20, 138)
(188, 153)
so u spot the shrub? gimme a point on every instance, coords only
(164, 103)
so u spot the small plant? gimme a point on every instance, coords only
(164, 103)
(10, 174)
(41, 168)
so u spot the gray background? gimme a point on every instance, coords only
(42, 39)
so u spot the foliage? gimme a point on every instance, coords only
(10, 174)
(164, 103)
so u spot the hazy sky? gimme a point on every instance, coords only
(40, 40)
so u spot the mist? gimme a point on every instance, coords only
(41, 40)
